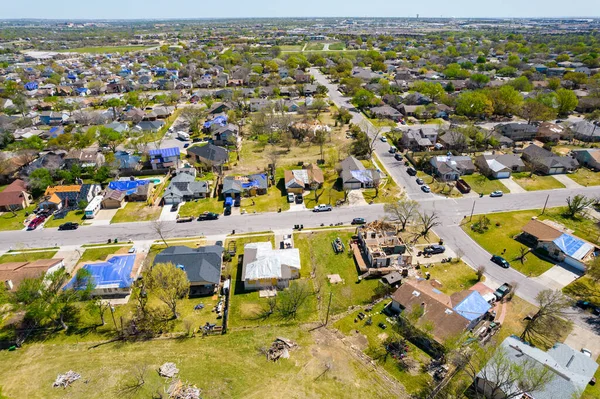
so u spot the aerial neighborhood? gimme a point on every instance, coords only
(340, 207)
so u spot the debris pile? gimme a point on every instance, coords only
(280, 348)
(64, 380)
(168, 370)
(180, 390)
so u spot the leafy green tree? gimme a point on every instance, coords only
(39, 180)
(364, 98)
(169, 284)
(521, 84)
(474, 103)
(110, 138)
(535, 111)
(433, 90)
(102, 174)
(114, 103)
(566, 101)
(479, 80)
(506, 100)
(578, 78)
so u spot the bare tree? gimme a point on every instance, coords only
(403, 212)
(131, 384)
(273, 157)
(160, 228)
(480, 272)
(523, 251)
(549, 321)
(576, 205)
(428, 221)
(169, 284)
(373, 133)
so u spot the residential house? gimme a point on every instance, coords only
(163, 158)
(499, 166)
(355, 176)
(302, 77)
(12, 274)
(57, 197)
(455, 140)
(558, 243)
(266, 268)
(112, 278)
(587, 104)
(247, 186)
(419, 139)
(126, 161)
(184, 187)
(518, 131)
(309, 89)
(386, 112)
(450, 167)
(53, 117)
(119, 127)
(130, 189)
(569, 371)
(15, 196)
(209, 154)
(308, 178)
(201, 265)
(226, 135)
(586, 131)
(220, 108)
(113, 199)
(589, 157)
(257, 104)
(149, 126)
(380, 248)
(548, 131)
(548, 163)
(84, 158)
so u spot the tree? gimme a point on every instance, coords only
(521, 84)
(403, 211)
(364, 98)
(292, 300)
(39, 180)
(506, 100)
(577, 204)
(102, 174)
(548, 322)
(194, 116)
(319, 139)
(535, 111)
(566, 101)
(433, 90)
(479, 80)
(578, 78)
(474, 104)
(109, 137)
(169, 284)
(593, 270)
(428, 221)
(159, 228)
(360, 145)
(114, 103)
(318, 105)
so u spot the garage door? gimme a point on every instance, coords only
(575, 263)
(503, 175)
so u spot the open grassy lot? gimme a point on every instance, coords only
(454, 277)
(291, 47)
(227, 366)
(317, 257)
(584, 288)
(498, 238)
(585, 177)
(481, 184)
(197, 207)
(274, 200)
(412, 379)
(315, 47)
(27, 256)
(73, 216)
(337, 46)
(330, 193)
(136, 212)
(14, 221)
(97, 254)
(412, 236)
(535, 182)
(106, 49)
(388, 189)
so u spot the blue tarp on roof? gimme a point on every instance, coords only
(116, 272)
(472, 307)
(573, 246)
(81, 90)
(72, 76)
(254, 181)
(221, 120)
(129, 186)
(126, 160)
(166, 152)
(31, 86)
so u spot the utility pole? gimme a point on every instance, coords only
(112, 312)
(545, 203)
(328, 307)
(472, 210)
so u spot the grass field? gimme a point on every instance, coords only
(481, 184)
(585, 177)
(136, 212)
(10, 221)
(103, 50)
(195, 208)
(592, 391)
(438, 187)
(584, 288)
(291, 47)
(388, 189)
(337, 46)
(535, 182)
(73, 216)
(314, 47)
(330, 193)
(27, 256)
(454, 277)
(97, 254)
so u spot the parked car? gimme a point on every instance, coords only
(382, 325)
(358, 221)
(227, 211)
(184, 219)
(585, 305)
(434, 249)
(426, 188)
(209, 216)
(502, 291)
(174, 207)
(237, 201)
(299, 198)
(322, 208)
(384, 139)
(68, 226)
(420, 181)
(586, 352)
(132, 250)
(186, 145)
(411, 171)
(219, 243)
(290, 197)
(500, 261)
(392, 150)
(496, 193)
(397, 157)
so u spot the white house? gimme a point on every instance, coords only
(265, 267)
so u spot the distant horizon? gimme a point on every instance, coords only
(287, 17)
(140, 10)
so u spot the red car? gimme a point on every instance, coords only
(36, 222)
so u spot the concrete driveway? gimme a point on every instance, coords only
(558, 277)
(103, 217)
(567, 181)
(355, 198)
(512, 185)
(584, 338)
(167, 215)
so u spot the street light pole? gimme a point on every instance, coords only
(472, 210)
(545, 203)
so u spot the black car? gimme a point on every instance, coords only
(358, 221)
(219, 243)
(500, 261)
(411, 171)
(237, 201)
(208, 216)
(174, 207)
(299, 198)
(420, 181)
(434, 249)
(398, 157)
(68, 226)
(227, 211)
(585, 305)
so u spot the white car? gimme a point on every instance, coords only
(384, 139)
(586, 352)
(322, 208)
(426, 188)
(496, 194)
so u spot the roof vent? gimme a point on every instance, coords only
(416, 293)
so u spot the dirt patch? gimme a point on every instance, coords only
(358, 340)
(383, 336)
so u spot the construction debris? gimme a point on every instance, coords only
(168, 370)
(64, 380)
(280, 348)
(181, 390)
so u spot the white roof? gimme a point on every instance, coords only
(495, 166)
(262, 261)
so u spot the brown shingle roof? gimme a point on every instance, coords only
(541, 231)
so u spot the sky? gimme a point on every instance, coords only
(160, 9)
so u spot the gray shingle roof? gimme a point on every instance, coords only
(201, 265)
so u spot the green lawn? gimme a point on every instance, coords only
(315, 47)
(97, 254)
(27, 256)
(136, 212)
(10, 221)
(592, 391)
(388, 189)
(73, 216)
(535, 182)
(498, 238)
(481, 184)
(585, 177)
(337, 46)
(275, 199)
(106, 49)
(197, 207)
(329, 194)
(291, 47)
(412, 381)
(318, 257)
(584, 288)
(454, 277)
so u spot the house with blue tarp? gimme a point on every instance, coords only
(127, 161)
(559, 243)
(216, 122)
(162, 158)
(470, 305)
(247, 186)
(110, 279)
(29, 86)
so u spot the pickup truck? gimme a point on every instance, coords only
(503, 291)
(208, 216)
(185, 219)
(322, 208)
